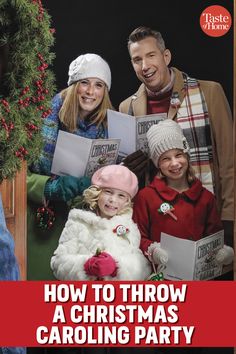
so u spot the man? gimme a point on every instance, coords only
(200, 107)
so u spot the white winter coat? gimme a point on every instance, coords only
(85, 232)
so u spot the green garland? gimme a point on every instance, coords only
(27, 85)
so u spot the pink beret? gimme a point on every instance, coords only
(117, 177)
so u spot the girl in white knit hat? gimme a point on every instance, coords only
(103, 242)
(175, 202)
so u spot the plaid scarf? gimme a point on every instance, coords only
(192, 116)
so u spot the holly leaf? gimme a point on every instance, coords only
(98, 252)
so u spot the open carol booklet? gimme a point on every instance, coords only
(131, 130)
(192, 260)
(78, 156)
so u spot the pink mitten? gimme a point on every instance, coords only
(101, 265)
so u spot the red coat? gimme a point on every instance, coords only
(195, 209)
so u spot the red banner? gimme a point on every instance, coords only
(118, 313)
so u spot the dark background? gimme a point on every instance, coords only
(103, 27)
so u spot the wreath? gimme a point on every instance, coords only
(26, 82)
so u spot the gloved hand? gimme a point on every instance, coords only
(137, 162)
(101, 265)
(64, 188)
(156, 254)
(225, 255)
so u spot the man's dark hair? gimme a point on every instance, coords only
(143, 32)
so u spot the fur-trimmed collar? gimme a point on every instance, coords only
(91, 218)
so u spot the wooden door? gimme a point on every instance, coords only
(14, 203)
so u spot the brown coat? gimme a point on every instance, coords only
(221, 124)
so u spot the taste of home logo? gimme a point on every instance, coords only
(215, 21)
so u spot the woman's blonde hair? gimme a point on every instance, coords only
(190, 173)
(91, 196)
(70, 109)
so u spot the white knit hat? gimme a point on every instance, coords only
(164, 136)
(89, 65)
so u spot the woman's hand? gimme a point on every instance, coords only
(64, 188)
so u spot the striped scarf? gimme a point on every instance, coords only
(193, 118)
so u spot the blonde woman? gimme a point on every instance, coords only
(79, 109)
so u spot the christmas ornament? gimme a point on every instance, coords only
(166, 208)
(121, 231)
(45, 217)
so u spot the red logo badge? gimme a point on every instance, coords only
(215, 21)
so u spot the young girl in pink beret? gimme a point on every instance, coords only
(103, 242)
